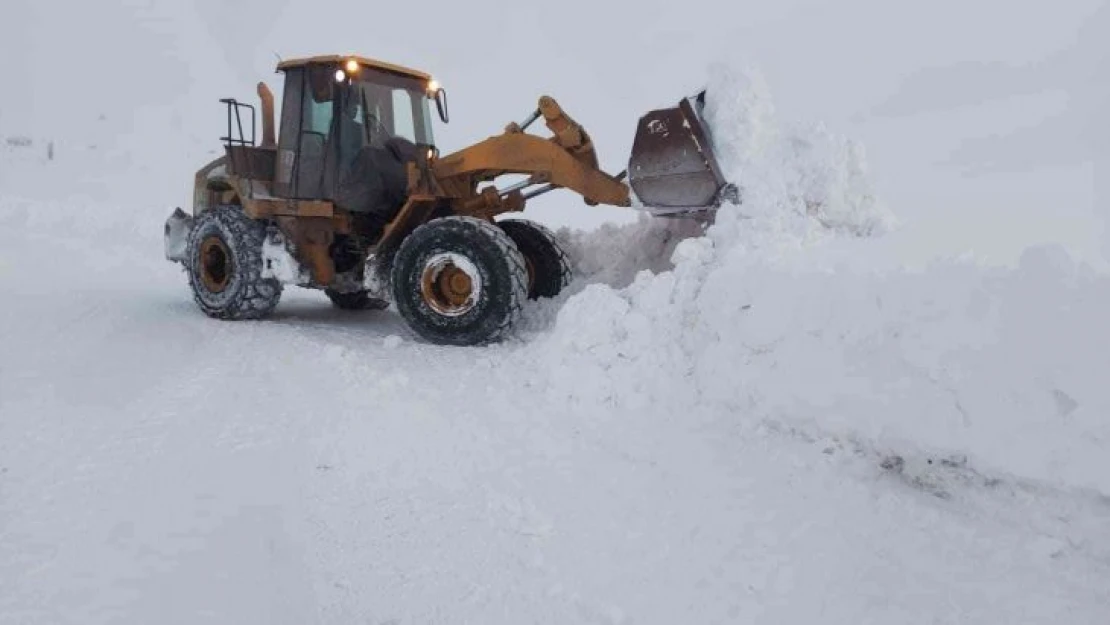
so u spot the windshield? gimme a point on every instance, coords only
(388, 106)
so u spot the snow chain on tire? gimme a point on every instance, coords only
(231, 288)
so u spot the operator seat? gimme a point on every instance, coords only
(374, 185)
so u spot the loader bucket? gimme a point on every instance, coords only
(673, 168)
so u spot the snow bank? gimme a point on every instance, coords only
(790, 309)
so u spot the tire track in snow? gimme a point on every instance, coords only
(397, 480)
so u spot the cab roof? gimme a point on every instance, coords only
(335, 59)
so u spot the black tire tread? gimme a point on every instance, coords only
(528, 234)
(358, 300)
(260, 295)
(492, 236)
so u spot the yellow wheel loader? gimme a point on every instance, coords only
(353, 197)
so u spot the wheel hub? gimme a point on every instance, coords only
(450, 284)
(215, 264)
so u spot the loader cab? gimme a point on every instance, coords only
(335, 107)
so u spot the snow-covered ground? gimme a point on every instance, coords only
(834, 406)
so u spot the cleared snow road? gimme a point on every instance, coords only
(157, 466)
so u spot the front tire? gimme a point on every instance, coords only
(459, 281)
(225, 265)
(548, 267)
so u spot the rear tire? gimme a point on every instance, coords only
(359, 300)
(548, 266)
(459, 281)
(225, 265)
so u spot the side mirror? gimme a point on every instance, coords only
(441, 104)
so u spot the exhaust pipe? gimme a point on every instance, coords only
(267, 98)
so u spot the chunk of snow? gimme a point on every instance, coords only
(280, 264)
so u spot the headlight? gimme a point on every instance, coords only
(340, 75)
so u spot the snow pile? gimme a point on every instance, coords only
(786, 173)
(788, 311)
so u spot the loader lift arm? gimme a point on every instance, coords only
(672, 169)
(565, 160)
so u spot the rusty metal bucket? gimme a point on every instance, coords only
(673, 169)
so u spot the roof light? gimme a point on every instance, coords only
(352, 66)
(433, 86)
